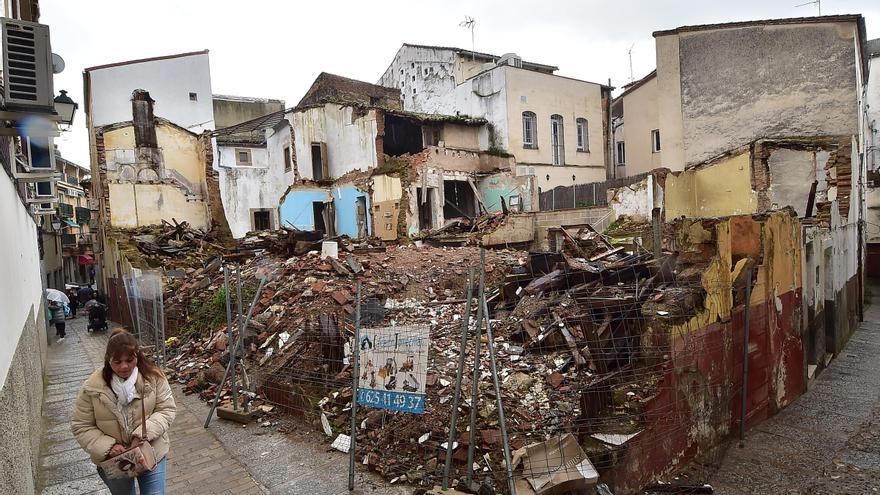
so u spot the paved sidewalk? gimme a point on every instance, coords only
(826, 442)
(197, 463)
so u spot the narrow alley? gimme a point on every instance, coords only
(826, 442)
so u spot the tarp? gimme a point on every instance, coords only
(70, 223)
(85, 259)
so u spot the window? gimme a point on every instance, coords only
(583, 135)
(530, 130)
(557, 139)
(288, 164)
(262, 220)
(193, 97)
(243, 157)
(655, 140)
(621, 153)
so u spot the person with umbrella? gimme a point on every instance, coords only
(55, 302)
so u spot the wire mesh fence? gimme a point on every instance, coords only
(144, 293)
(564, 375)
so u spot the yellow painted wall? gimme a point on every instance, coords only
(640, 117)
(132, 205)
(118, 139)
(386, 188)
(182, 152)
(721, 189)
(669, 101)
(465, 68)
(545, 95)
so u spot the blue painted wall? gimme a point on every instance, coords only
(499, 186)
(345, 201)
(297, 209)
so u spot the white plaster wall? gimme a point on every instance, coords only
(20, 271)
(428, 71)
(259, 157)
(872, 100)
(640, 111)
(259, 186)
(482, 96)
(169, 81)
(351, 145)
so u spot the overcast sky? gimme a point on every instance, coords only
(274, 49)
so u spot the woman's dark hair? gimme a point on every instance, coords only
(124, 344)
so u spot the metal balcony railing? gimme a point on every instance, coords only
(68, 240)
(65, 210)
(83, 215)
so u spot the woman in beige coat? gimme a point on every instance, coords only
(107, 412)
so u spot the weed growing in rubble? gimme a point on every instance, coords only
(206, 314)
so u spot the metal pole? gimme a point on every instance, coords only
(501, 419)
(745, 372)
(355, 371)
(472, 424)
(234, 351)
(465, 321)
(229, 335)
(232, 354)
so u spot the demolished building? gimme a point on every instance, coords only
(366, 168)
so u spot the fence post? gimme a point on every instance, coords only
(458, 378)
(355, 371)
(475, 378)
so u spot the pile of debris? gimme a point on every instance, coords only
(463, 231)
(174, 247)
(569, 331)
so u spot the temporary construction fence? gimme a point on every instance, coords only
(581, 372)
(143, 290)
(583, 195)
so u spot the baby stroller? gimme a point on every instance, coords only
(97, 316)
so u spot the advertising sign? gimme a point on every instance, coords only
(393, 368)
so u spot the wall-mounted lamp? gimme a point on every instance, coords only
(65, 107)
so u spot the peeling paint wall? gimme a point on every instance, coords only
(421, 74)
(637, 201)
(514, 190)
(350, 138)
(258, 186)
(348, 215)
(147, 186)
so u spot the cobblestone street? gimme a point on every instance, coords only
(826, 442)
(197, 464)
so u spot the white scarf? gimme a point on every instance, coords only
(125, 389)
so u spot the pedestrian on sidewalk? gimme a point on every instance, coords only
(107, 413)
(57, 317)
(74, 302)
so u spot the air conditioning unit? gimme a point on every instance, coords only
(27, 65)
(40, 154)
(42, 191)
(43, 208)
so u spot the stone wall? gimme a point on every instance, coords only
(21, 400)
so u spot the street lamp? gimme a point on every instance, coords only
(65, 107)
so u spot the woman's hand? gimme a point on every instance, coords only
(116, 450)
(135, 441)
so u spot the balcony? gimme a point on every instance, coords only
(65, 210)
(68, 240)
(83, 215)
(85, 239)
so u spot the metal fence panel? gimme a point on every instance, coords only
(144, 294)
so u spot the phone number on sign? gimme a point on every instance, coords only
(393, 401)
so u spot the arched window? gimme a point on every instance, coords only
(530, 130)
(583, 135)
(557, 139)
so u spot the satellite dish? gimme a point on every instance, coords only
(57, 64)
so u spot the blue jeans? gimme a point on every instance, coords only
(150, 483)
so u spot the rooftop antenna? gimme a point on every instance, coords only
(630, 52)
(817, 3)
(470, 23)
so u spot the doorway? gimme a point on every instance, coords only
(459, 199)
(426, 207)
(361, 210)
(262, 220)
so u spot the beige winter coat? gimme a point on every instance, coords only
(97, 423)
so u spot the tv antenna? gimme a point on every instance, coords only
(630, 53)
(817, 3)
(470, 23)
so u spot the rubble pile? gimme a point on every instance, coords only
(463, 231)
(570, 330)
(173, 247)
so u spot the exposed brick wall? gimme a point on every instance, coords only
(214, 201)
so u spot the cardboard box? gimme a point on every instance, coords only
(556, 466)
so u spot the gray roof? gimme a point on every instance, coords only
(873, 48)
